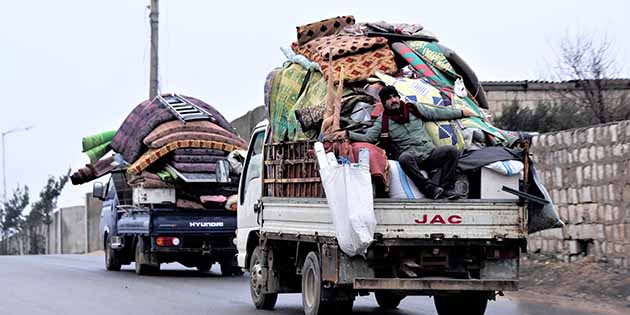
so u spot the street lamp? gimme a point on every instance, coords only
(4, 158)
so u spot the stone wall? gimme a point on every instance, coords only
(587, 173)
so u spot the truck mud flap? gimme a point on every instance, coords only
(429, 284)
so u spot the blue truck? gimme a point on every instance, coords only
(146, 226)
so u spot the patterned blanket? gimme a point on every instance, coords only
(331, 26)
(195, 151)
(359, 59)
(194, 167)
(313, 95)
(176, 126)
(285, 90)
(191, 135)
(153, 155)
(197, 158)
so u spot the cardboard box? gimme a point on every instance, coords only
(492, 183)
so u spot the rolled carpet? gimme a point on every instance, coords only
(92, 171)
(93, 141)
(98, 152)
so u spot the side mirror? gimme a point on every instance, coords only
(223, 171)
(98, 191)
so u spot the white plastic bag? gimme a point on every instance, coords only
(349, 194)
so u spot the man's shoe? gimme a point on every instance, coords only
(450, 195)
(437, 193)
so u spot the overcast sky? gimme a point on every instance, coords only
(73, 68)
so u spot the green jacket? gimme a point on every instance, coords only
(410, 136)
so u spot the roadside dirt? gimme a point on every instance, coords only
(583, 281)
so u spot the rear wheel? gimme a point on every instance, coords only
(143, 269)
(388, 300)
(204, 266)
(111, 261)
(313, 291)
(470, 303)
(257, 280)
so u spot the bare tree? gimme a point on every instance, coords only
(588, 67)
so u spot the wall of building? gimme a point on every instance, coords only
(587, 172)
(529, 93)
(247, 122)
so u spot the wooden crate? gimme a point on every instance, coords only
(291, 170)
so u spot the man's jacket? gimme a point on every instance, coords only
(409, 136)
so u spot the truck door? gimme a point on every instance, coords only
(250, 192)
(108, 211)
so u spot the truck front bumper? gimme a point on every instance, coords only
(434, 284)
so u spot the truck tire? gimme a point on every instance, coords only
(312, 290)
(143, 269)
(264, 301)
(204, 266)
(111, 261)
(388, 300)
(470, 303)
(229, 267)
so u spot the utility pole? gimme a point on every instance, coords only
(153, 84)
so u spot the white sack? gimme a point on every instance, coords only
(349, 194)
(507, 168)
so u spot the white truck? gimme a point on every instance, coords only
(463, 253)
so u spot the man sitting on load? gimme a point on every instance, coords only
(406, 134)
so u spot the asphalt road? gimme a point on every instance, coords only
(78, 284)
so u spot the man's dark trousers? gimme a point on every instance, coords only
(443, 160)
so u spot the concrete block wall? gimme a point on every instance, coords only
(587, 173)
(74, 230)
(93, 208)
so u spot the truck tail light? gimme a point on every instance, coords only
(167, 241)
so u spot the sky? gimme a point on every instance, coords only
(72, 68)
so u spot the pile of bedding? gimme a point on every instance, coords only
(160, 150)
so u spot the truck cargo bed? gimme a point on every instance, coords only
(403, 218)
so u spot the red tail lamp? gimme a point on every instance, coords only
(167, 241)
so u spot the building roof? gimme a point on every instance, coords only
(542, 85)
